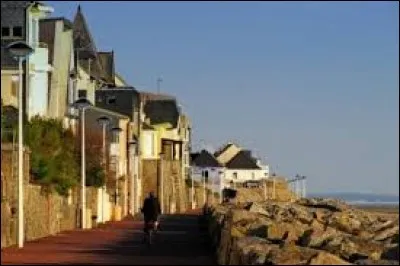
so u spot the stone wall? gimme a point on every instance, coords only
(44, 213)
(174, 190)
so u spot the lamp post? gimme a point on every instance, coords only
(116, 131)
(161, 187)
(133, 193)
(21, 50)
(104, 121)
(81, 104)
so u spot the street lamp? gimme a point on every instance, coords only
(134, 182)
(103, 121)
(81, 104)
(21, 50)
(116, 131)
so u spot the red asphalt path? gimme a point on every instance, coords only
(179, 242)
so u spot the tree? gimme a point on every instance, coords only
(53, 154)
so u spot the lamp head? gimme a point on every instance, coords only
(103, 120)
(81, 103)
(19, 49)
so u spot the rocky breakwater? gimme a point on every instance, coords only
(306, 232)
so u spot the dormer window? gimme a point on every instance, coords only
(5, 32)
(17, 32)
(111, 100)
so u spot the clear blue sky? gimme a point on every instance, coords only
(311, 86)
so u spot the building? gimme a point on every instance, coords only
(121, 185)
(20, 22)
(94, 69)
(57, 34)
(239, 165)
(205, 168)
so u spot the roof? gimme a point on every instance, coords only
(150, 96)
(223, 149)
(82, 36)
(162, 111)
(107, 63)
(242, 160)
(204, 159)
(121, 78)
(108, 112)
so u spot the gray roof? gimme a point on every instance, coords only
(204, 159)
(162, 111)
(107, 63)
(242, 160)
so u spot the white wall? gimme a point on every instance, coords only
(244, 174)
(215, 175)
(38, 83)
(148, 142)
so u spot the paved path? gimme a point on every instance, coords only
(179, 242)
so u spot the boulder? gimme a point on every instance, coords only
(290, 255)
(387, 233)
(257, 208)
(334, 205)
(345, 221)
(376, 262)
(325, 258)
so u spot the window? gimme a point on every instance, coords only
(17, 31)
(206, 174)
(82, 94)
(14, 85)
(5, 32)
(111, 100)
(234, 175)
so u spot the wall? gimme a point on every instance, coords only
(174, 190)
(60, 75)
(84, 83)
(38, 80)
(45, 213)
(244, 174)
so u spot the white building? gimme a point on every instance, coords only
(205, 168)
(239, 165)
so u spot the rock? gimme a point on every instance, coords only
(387, 233)
(377, 227)
(334, 205)
(392, 253)
(303, 215)
(355, 248)
(290, 255)
(376, 262)
(250, 251)
(346, 222)
(324, 258)
(317, 238)
(257, 208)
(287, 232)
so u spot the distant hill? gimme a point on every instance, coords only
(359, 197)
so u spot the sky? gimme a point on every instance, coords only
(310, 87)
